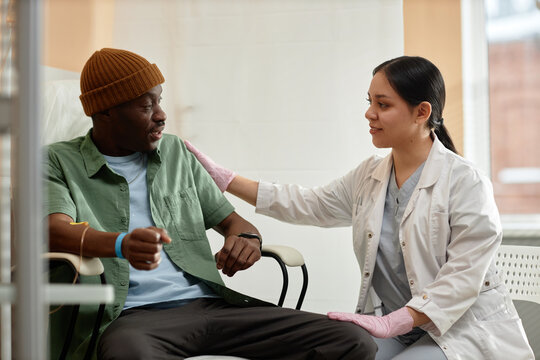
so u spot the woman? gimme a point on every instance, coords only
(425, 227)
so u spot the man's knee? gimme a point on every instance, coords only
(123, 344)
(357, 341)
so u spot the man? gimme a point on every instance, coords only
(148, 203)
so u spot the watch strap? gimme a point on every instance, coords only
(252, 236)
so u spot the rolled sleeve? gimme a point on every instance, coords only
(440, 323)
(264, 197)
(57, 197)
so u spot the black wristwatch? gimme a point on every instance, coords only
(252, 236)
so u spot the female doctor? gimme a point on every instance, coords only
(425, 227)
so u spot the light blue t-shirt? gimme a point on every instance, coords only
(389, 277)
(167, 285)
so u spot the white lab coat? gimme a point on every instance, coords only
(449, 235)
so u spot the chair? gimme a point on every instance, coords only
(86, 267)
(64, 119)
(520, 270)
(285, 257)
(520, 267)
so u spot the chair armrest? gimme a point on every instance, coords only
(286, 255)
(84, 266)
(88, 266)
(290, 256)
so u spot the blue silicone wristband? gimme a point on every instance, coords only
(118, 245)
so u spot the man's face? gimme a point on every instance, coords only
(138, 124)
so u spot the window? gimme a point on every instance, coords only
(501, 87)
(513, 35)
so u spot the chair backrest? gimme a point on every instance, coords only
(520, 268)
(63, 115)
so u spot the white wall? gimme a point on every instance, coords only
(274, 90)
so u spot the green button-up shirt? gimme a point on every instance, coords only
(183, 200)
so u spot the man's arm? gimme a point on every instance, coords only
(238, 253)
(141, 247)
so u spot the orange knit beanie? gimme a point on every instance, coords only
(112, 77)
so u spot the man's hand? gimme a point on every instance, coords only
(142, 247)
(238, 253)
(398, 322)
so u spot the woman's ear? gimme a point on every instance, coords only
(423, 112)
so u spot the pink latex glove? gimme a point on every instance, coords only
(222, 176)
(398, 322)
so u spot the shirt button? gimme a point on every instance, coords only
(369, 235)
(123, 283)
(366, 274)
(411, 282)
(123, 220)
(403, 243)
(486, 283)
(123, 187)
(425, 297)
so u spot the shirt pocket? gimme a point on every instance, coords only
(491, 304)
(503, 339)
(184, 214)
(360, 215)
(439, 234)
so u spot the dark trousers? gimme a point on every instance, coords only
(211, 326)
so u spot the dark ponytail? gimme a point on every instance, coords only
(416, 79)
(443, 135)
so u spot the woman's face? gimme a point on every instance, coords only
(392, 121)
